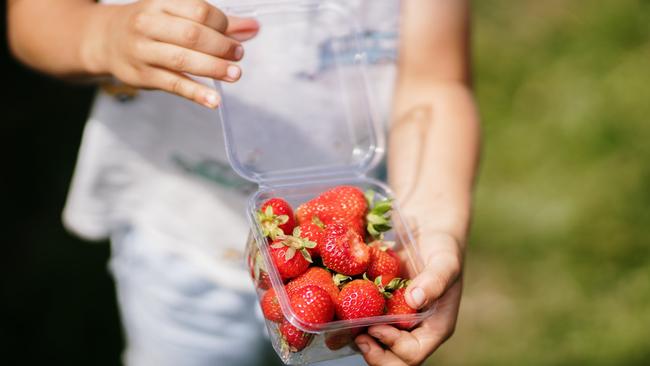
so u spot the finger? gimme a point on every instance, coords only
(183, 86)
(386, 334)
(198, 11)
(180, 59)
(374, 354)
(442, 268)
(242, 29)
(182, 32)
(414, 347)
(441, 326)
(404, 345)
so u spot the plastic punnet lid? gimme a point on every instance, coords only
(301, 108)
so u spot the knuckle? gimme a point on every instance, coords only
(437, 283)
(143, 74)
(139, 22)
(139, 47)
(132, 76)
(191, 35)
(201, 12)
(179, 60)
(174, 84)
(454, 263)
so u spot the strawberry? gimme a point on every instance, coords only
(293, 338)
(342, 204)
(271, 307)
(339, 339)
(360, 299)
(259, 273)
(384, 262)
(315, 276)
(276, 218)
(313, 230)
(344, 250)
(396, 305)
(283, 253)
(264, 282)
(312, 304)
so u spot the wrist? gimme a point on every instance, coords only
(434, 219)
(94, 48)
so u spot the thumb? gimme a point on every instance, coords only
(442, 269)
(242, 29)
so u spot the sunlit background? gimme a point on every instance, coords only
(558, 269)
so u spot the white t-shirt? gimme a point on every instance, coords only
(160, 161)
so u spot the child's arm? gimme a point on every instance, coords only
(433, 153)
(147, 44)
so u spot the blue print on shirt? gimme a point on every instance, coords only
(378, 47)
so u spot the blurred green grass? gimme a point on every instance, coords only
(558, 268)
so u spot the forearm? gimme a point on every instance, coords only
(62, 38)
(433, 153)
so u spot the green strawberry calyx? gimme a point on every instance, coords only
(378, 216)
(397, 283)
(271, 223)
(393, 285)
(295, 243)
(339, 279)
(258, 266)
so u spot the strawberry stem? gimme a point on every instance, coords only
(378, 217)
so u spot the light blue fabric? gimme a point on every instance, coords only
(175, 315)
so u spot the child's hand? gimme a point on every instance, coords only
(441, 281)
(152, 43)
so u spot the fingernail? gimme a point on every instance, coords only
(363, 347)
(211, 99)
(239, 53)
(233, 72)
(417, 295)
(374, 333)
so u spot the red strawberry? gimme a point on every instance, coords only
(384, 262)
(396, 305)
(342, 204)
(287, 262)
(276, 218)
(339, 339)
(264, 282)
(360, 299)
(313, 230)
(293, 338)
(315, 276)
(344, 250)
(312, 304)
(258, 271)
(290, 255)
(271, 307)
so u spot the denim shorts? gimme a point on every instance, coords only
(173, 314)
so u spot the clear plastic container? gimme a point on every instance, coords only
(304, 124)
